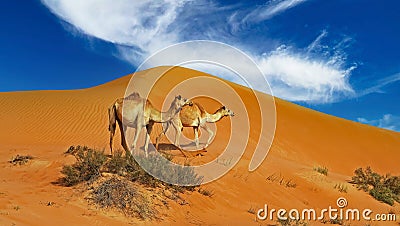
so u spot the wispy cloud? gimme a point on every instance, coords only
(378, 88)
(388, 121)
(317, 73)
(269, 10)
(316, 44)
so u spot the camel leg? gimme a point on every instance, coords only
(111, 125)
(112, 134)
(196, 136)
(136, 137)
(165, 128)
(178, 131)
(122, 129)
(149, 127)
(210, 134)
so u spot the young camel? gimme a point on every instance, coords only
(194, 116)
(139, 113)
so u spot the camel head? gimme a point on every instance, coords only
(226, 112)
(179, 102)
(189, 102)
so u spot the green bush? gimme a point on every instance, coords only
(206, 192)
(72, 176)
(383, 194)
(393, 183)
(175, 174)
(291, 222)
(383, 188)
(322, 170)
(20, 159)
(128, 167)
(341, 188)
(86, 168)
(118, 164)
(120, 193)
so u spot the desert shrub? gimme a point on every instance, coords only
(252, 210)
(291, 222)
(20, 159)
(206, 192)
(118, 164)
(290, 184)
(89, 162)
(136, 173)
(128, 167)
(337, 220)
(341, 188)
(383, 194)
(281, 180)
(322, 170)
(72, 176)
(119, 194)
(86, 168)
(360, 179)
(383, 188)
(175, 174)
(393, 183)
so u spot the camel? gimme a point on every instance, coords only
(194, 116)
(139, 113)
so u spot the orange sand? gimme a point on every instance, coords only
(45, 123)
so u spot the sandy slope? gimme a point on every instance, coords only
(45, 123)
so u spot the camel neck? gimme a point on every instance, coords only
(159, 116)
(214, 117)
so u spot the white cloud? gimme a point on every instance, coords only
(141, 24)
(380, 84)
(316, 44)
(388, 121)
(269, 10)
(302, 77)
(140, 28)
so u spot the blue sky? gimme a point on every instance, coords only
(336, 56)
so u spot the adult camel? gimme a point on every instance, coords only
(139, 113)
(194, 116)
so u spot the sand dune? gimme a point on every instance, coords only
(45, 123)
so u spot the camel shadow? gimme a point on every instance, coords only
(165, 147)
(168, 146)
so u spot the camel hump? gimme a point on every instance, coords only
(118, 102)
(148, 104)
(133, 95)
(202, 112)
(199, 106)
(190, 114)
